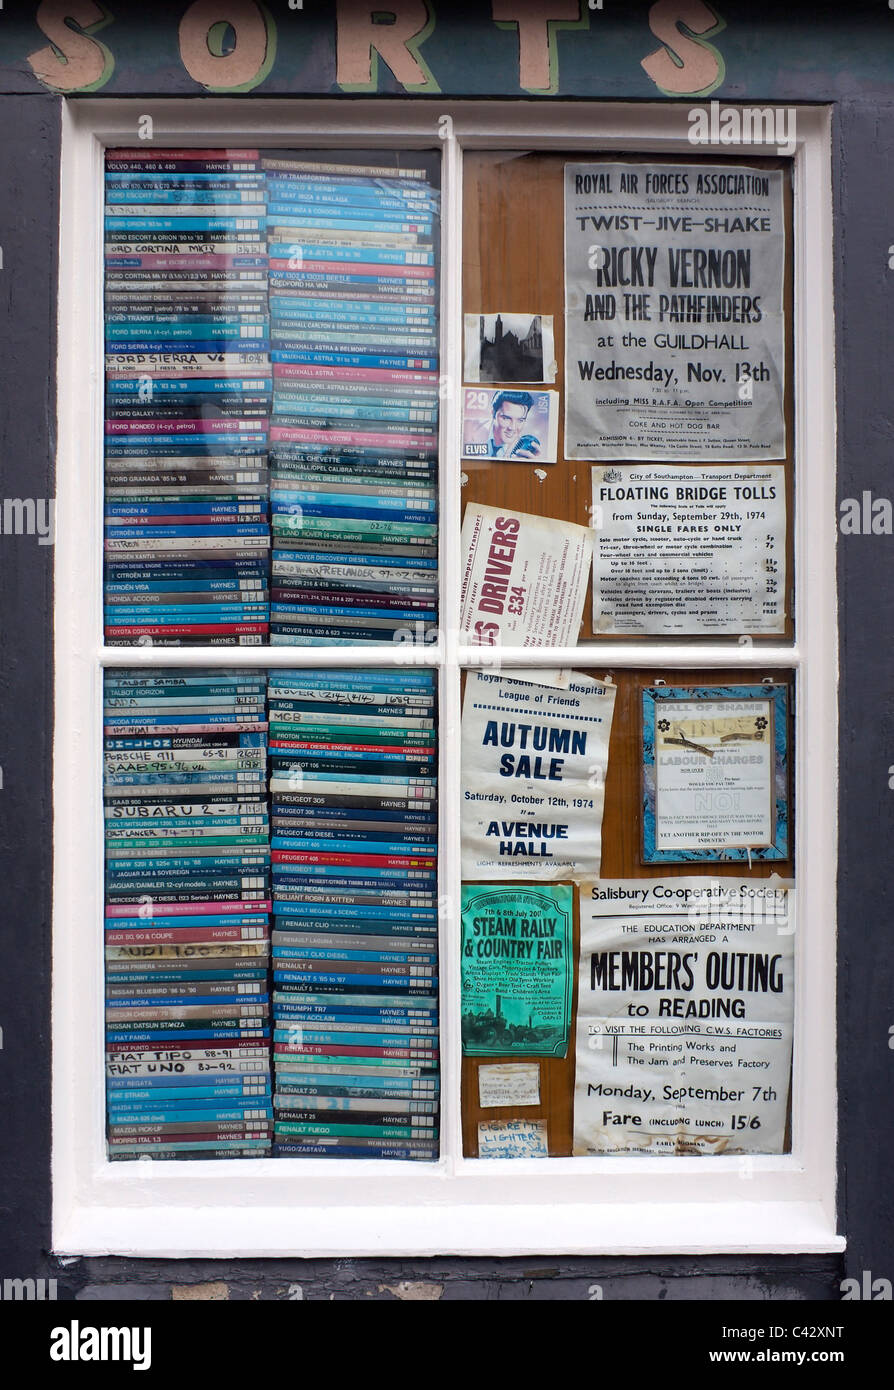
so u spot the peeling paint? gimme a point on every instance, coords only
(414, 1290)
(200, 1293)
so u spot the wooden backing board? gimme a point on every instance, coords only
(513, 262)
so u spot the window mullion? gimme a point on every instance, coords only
(449, 872)
(262, 658)
(703, 656)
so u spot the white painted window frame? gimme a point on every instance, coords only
(582, 1206)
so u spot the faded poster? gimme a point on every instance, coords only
(674, 345)
(508, 1083)
(524, 581)
(534, 761)
(715, 774)
(524, 578)
(516, 970)
(689, 551)
(684, 1016)
(512, 1139)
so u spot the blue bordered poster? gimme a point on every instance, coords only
(715, 773)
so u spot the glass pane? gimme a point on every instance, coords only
(271, 397)
(586, 282)
(305, 802)
(627, 925)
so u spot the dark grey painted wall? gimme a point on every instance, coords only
(29, 180)
(786, 52)
(864, 204)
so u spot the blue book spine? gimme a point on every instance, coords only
(350, 311)
(161, 1096)
(290, 214)
(134, 261)
(411, 839)
(300, 814)
(257, 859)
(400, 682)
(375, 512)
(214, 1148)
(241, 1083)
(135, 682)
(370, 214)
(419, 784)
(187, 532)
(356, 981)
(336, 910)
(170, 450)
(186, 224)
(348, 558)
(293, 1005)
(336, 1039)
(343, 1149)
(349, 846)
(141, 195)
(139, 178)
(183, 823)
(248, 509)
(155, 616)
(170, 324)
(163, 1001)
(362, 255)
(409, 888)
(331, 411)
(192, 585)
(207, 345)
(135, 977)
(222, 919)
(132, 386)
(400, 285)
(317, 953)
(119, 1152)
(296, 499)
(354, 359)
(168, 1114)
(397, 182)
(186, 720)
(351, 755)
(248, 712)
(173, 1034)
(337, 195)
(297, 611)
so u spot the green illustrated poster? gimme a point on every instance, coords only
(516, 970)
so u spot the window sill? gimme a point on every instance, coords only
(698, 1228)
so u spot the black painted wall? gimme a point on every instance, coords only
(864, 204)
(864, 286)
(29, 180)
